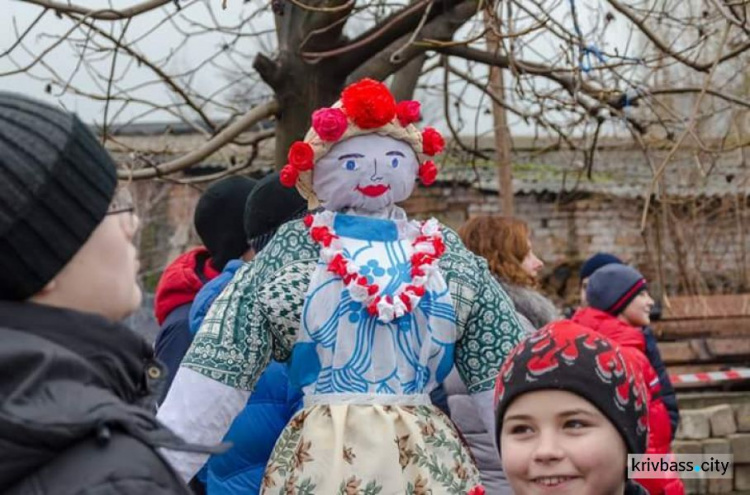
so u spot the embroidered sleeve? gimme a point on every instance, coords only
(253, 319)
(490, 332)
(281, 301)
(224, 347)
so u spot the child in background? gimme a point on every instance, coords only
(619, 307)
(570, 407)
(653, 354)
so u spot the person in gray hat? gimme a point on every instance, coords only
(76, 385)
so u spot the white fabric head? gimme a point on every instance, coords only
(368, 172)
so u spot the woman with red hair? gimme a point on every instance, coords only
(506, 245)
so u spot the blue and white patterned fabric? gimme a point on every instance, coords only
(338, 339)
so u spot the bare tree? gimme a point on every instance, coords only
(660, 70)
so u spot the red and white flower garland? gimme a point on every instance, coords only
(428, 248)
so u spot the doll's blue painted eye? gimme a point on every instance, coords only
(394, 163)
(350, 165)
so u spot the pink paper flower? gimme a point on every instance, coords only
(408, 112)
(329, 123)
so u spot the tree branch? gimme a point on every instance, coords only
(693, 90)
(440, 28)
(662, 46)
(100, 14)
(373, 41)
(257, 139)
(212, 145)
(267, 69)
(156, 69)
(568, 82)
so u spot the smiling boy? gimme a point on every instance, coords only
(570, 408)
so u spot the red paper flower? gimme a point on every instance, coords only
(405, 299)
(428, 172)
(416, 290)
(308, 220)
(432, 141)
(288, 176)
(301, 156)
(369, 104)
(321, 235)
(329, 123)
(408, 112)
(439, 247)
(337, 265)
(477, 490)
(419, 259)
(373, 307)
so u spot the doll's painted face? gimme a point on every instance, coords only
(369, 173)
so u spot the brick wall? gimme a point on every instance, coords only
(704, 245)
(709, 246)
(721, 429)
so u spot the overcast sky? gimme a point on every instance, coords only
(63, 59)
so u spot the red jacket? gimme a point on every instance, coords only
(633, 343)
(182, 280)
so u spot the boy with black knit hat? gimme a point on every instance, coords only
(268, 206)
(79, 386)
(619, 308)
(570, 407)
(590, 266)
(218, 221)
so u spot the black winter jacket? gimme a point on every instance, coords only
(667, 390)
(76, 407)
(633, 488)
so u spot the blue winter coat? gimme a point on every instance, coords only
(255, 430)
(208, 294)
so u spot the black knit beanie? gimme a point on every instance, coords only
(268, 207)
(613, 286)
(567, 356)
(56, 183)
(218, 218)
(595, 262)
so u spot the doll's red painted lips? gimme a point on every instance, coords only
(373, 191)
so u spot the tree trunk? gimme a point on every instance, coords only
(502, 132)
(405, 80)
(302, 86)
(298, 101)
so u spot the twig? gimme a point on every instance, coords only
(111, 78)
(693, 120)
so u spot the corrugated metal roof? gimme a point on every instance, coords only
(618, 173)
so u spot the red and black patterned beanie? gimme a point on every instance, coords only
(567, 356)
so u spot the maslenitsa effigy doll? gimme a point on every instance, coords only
(370, 309)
